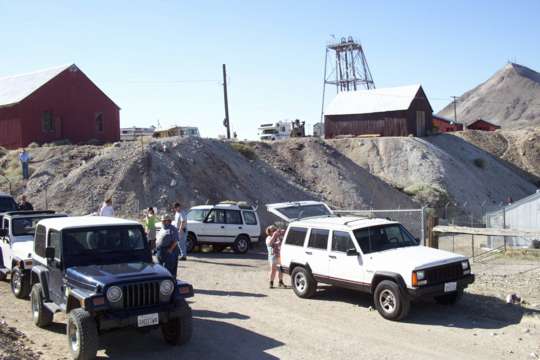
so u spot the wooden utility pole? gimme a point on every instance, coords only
(226, 122)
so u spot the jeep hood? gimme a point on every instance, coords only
(410, 258)
(102, 275)
(22, 249)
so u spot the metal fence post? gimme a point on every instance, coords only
(423, 226)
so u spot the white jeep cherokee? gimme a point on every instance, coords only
(376, 256)
(222, 225)
(16, 241)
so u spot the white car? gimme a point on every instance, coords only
(376, 256)
(222, 225)
(16, 241)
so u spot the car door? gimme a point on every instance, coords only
(251, 225)
(56, 276)
(5, 245)
(317, 251)
(293, 249)
(234, 225)
(345, 268)
(213, 229)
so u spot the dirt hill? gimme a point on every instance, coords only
(510, 98)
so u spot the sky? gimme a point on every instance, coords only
(161, 61)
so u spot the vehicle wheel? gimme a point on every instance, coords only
(191, 242)
(303, 283)
(389, 301)
(241, 244)
(178, 331)
(41, 316)
(449, 299)
(82, 335)
(19, 285)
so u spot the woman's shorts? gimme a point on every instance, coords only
(272, 259)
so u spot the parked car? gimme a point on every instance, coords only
(16, 241)
(222, 225)
(376, 256)
(99, 271)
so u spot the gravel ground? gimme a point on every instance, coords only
(237, 317)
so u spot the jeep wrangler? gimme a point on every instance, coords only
(99, 271)
(16, 238)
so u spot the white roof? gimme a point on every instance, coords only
(372, 101)
(14, 89)
(84, 221)
(341, 222)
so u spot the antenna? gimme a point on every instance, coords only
(346, 67)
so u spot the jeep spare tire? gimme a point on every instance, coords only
(41, 316)
(82, 335)
(303, 283)
(389, 301)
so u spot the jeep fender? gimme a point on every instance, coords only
(295, 264)
(387, 275)
(42, 275)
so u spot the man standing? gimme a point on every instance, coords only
(24, 204)
(180, 220)
(167, 245)
(24, 157)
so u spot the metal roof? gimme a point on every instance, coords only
(373, 101)
(14, 89)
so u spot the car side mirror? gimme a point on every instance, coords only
(352, 252)
(49, 253)
(3, 232)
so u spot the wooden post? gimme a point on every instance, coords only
(433, 237)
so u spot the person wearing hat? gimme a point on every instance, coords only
(167, 245)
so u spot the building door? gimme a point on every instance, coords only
(420, 123)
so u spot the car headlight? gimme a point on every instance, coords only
(166, 287)
(114, 294)
(465, 265)
(420, 275)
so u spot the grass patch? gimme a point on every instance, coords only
(244, 149)
(480, 163)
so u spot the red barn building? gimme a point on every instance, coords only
(397, 111)
(482, 125)
(443, 124)
(55, 104)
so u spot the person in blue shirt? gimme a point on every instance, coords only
(167, 245)
(24, 157)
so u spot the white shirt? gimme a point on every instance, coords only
(178, 220)
(106, 210)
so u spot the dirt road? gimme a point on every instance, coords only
(237, 317)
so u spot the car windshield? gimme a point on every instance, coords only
(25, 226)
(386, 237)
(299, 212)
(7, 204)
(112, 239)
(197, 214)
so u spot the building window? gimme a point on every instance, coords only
(99, 122)
(47, 121)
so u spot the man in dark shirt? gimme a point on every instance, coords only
(167, 245)
(24, 204)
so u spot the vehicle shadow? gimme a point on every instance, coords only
(473, 311)
(197, 260)
(57, 327)
(219, 315)
(252, 254)
(212, 339)
(228, 293)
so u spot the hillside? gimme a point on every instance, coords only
(510, 98)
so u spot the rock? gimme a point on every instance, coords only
(534, 356)
(370, 308)
(173, 182)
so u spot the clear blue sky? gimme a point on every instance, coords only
(142, 52)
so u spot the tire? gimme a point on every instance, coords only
(303, 283)
(449, 299)
(241, 244)
(389, 301)
(82, 335)
(178, 331)
(20, 285)
(191, 242)
(41, 316)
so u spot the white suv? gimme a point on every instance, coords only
(376, 256)
(222, 225)
(16, 241)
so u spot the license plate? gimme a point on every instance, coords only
(147, 320)
(450, 286)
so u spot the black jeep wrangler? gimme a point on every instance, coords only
(99, 271)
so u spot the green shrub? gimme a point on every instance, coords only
(428, 194)
(244, 149)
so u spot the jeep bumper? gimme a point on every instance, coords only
(112, 320)
(437, 290)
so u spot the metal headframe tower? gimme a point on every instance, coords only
(346, 67)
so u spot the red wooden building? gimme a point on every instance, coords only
(482, 125)
(55, 104)
(443, 124)
(397, 111)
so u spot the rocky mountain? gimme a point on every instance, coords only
(510, 98)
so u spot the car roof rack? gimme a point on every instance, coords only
(30, 212)
(240, 204)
